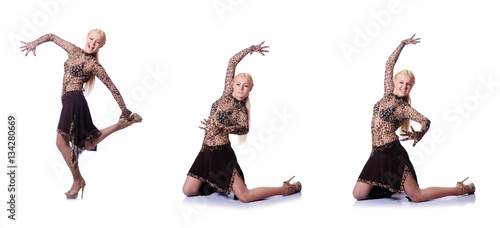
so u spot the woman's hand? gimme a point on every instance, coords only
(415, 135)
(125, 113)
(259, 48)
(411, 40)
(210, 128)
(30, 46)
(207, 126)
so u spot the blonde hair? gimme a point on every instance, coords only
(89, 85)
(406, 124)
(242, 138)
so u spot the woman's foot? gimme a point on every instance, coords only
(466, 189)
(73, 192)
(125, 122)
(292, 188)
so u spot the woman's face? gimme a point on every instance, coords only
(94, 43)
(403, 85)
(241, 88)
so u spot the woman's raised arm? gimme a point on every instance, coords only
(231, 68)
(389, 65)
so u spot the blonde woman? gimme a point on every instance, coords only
(76, 131)
(389, 170)
(216, 167)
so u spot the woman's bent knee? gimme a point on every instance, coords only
(361, 191)
(359, 195)
(416, 198)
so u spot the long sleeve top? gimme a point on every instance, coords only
(228, 114)
(78, 69)
(390, 112)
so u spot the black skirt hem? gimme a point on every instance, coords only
(388, 187)
(75, 122)
(226, 191)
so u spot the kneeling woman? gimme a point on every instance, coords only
(216, 167)
(389, 170)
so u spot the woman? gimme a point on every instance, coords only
(389, 170)
(216, 167)
(75, 123)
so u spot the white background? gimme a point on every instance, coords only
(311, 108)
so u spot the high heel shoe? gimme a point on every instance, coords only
(134, 118)
(297, 185)
(471, 186)
(72, 194)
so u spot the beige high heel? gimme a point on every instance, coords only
(72, 194)
(134, 118)
(297, 185)
(471, 186)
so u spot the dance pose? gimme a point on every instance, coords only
(216, 167)
(389, 170)
(76, 131)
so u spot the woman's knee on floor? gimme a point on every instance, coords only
(189, 190)
(361, 191)
(359, 195)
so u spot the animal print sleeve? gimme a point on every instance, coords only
(100, 73)
(389, 69)
(410, 113)
(67, 46)
(231, 68)
(241, 127)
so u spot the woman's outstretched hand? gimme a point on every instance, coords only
(259, 48)
(30, 46)
(415, 135)
(411, 40)
(209, 128)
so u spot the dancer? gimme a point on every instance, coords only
(389, 170)
(76, 131)
(216, 167)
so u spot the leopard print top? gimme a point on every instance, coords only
(78, 69)
(228, 115)
(390, 112)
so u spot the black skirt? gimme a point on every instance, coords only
(216, 167)
(386, 170)
(76, 123)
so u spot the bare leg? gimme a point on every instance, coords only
(62, 143)
(245, 195)
(191, 186)
(105, 133)
(361, 190)
(419, 195)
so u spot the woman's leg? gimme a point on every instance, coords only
(62, 143)
(361, 190)
(105, 133)
(248, 195)
(191, 186)
(419, 195)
